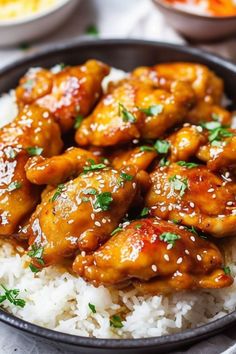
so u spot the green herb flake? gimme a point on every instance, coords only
(92, 307)
(78, 121)
(124, 177)
(227, 270)
(146, 148)
(12, 297)
(162, 146)
(118, 229)
(138, 226)
(127, 116)
(169, 237)
(90, 191)
(179, 184)
(93, 166)
(153, 110)
(33, 268)
(187, 164)
(34, 151)
(92, 30)
(103, 201)
(58, 192)
(191, 229)
(116, 322)
(13, 186)
(216, 131)
(164, 162)
(144, 212)
(35, 252)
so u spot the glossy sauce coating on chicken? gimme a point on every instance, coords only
(146, 175)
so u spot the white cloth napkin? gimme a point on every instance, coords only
(114, 19)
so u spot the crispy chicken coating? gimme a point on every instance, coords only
(68, 93)
(147, 249)
(137, 157)
(131, 110)
(194, 196)
(81, 214)
(57, 169)
(33, 129)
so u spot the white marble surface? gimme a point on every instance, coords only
(114, 18)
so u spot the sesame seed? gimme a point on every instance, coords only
(230, 203)
(179, 260)
(104, 221)
(83, 253)
(186, 251)
(199, 258)
(97, 223)
(92, 216)
(192, 204)
(154, 268)
(166, 257)
(213, 196)
(169, 246)
(192, 238)
(210, 190)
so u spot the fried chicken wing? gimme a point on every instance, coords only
(205, 112)
(154, 249)
(185, 143)
(194, 196)
(81, 214)
(132, 110)
(57, 169)
(33, 129)
(68, 93)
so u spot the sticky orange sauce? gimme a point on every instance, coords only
(209, 7)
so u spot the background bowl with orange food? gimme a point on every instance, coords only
(200, 20)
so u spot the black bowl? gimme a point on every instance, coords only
(126, 55)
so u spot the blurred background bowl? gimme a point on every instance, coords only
(25, 29)
(197, 27)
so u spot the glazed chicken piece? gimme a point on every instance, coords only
(131, 110)
(137, 157)
(81, 214)
(33, 131)
(57, 169)
(207, 86)
(185, 142)
(68, 93)
(194, 196)
(221, 151)
(151, 249)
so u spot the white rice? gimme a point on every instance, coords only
(58, 300)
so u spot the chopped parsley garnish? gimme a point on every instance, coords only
(146, 148)
(116, 322)
(92, 307)
(33, 268)
(179, 184)
(191, 229)
(227, 270)
(118, 229)
(58, 192)
(169, 237)
(78, 121)
(138, 226)
(124, 177)
(164, 162)
(144, 212)
(12, 297)
(216, 131)
(90, 191)
(93, 166)
(13, 186)
(92, 30)
(10, 152)
(153, 110)
(36, 253)
(187, 164)
(103, 201)
(162, 146)
(34, 151)
(127, 116)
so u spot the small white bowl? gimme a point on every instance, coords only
(25, 29)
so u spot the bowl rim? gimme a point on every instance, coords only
(36, 16)
(165, 5)
(181, 338)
